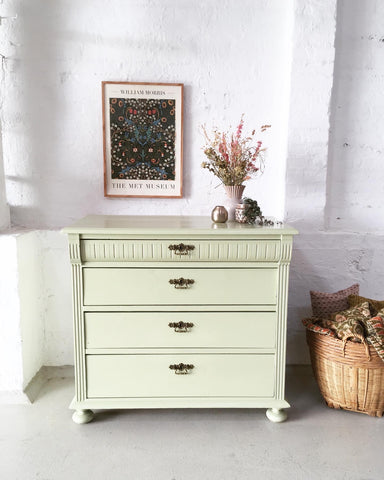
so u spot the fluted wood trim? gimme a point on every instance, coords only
(282, 305)
(78, 328)
(281, 330)
(158, 251)
(78, 322)
(74, 248)
(286, 249)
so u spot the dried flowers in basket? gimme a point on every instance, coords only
(347, 356)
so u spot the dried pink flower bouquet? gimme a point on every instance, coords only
(231, 157)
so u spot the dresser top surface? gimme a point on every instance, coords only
(152, 225)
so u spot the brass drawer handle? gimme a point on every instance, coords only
(181, 282)
(181, 368)
(181, 249)
(181, 327)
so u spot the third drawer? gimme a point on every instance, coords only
(187, 329)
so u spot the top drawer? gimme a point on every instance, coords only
(175, 250)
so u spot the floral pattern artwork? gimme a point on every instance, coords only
(143, 136)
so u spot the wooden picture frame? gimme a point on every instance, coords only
(143, 139)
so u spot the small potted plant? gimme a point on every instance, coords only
(249, 212)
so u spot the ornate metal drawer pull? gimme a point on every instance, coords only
(181, 282)
(181, 249)
(181, 326)
(181, 368)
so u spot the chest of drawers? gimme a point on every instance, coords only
(176, 312)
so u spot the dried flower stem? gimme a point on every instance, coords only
(231, 158)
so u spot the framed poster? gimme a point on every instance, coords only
(143, 139)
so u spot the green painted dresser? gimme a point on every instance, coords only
(178, 312)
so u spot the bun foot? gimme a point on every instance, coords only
(276, 415)
(82, 416)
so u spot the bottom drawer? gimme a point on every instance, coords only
(226, 375)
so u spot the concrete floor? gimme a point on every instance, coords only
(40, 441)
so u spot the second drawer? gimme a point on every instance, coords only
(197, 329)
(207, 286)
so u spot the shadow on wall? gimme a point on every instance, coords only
(356, 145)
(38, 173)
(41, 108)
(298, 305)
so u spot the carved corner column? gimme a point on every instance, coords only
(282, 304)
(78, 321)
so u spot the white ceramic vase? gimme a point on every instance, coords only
(234, 194)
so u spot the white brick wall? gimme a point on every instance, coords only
(311, 68)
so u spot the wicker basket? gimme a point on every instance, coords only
(352, 382)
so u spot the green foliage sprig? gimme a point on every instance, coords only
(253, 213)
(251, 210)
